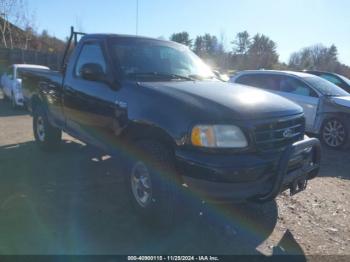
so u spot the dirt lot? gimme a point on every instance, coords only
(73, 202)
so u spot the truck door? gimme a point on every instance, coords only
(89, 105)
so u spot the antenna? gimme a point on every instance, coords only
(137, 17)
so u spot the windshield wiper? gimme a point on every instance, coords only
(199, 77)
(161, 75)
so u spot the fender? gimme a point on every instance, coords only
(142, 130)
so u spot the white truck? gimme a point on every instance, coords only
(12, 84)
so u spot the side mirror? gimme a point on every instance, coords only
(92, 72)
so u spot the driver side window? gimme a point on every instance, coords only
(332, 79)
(296, 87)
(91, 53)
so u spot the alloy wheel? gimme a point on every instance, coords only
(334, 133)
(40, 128)
(141, 184)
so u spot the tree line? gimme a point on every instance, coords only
(260, 52)
(18, 29)
(247, 52)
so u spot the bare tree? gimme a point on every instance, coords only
(6, 10)
(11, 12)
(26, 21)
(315, 57)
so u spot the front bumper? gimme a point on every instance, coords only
(250, 176)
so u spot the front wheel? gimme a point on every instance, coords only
(46, 136)
(334, 133)
(152, 182)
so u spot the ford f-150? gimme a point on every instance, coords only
(156, 104)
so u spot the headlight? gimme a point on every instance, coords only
(218, 136)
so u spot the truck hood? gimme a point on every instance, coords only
(241, 102)
(342, 100)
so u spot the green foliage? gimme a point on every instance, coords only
(241, 43)
(262, 52)
(206, 45)
(182, 38)
(253, 53)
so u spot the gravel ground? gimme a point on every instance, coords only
(73, 202)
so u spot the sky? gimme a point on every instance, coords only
(292, 24)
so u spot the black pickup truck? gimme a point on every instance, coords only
(177, 127)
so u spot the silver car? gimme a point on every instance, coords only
(326, 106)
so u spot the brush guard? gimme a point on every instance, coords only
(295, 181)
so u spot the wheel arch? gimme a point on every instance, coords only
(35, 101)
(150, 132)
(337, 115)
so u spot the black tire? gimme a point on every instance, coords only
(162, 183)
(46, 136)
(335, 133)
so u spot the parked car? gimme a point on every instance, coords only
(336, 79)
(12, 84)
(326, 106)
(159, 107)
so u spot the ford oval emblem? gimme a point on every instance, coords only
(288, 133)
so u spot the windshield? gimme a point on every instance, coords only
(325, 87)
(149, 59)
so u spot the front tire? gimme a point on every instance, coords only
(46, 136)
(335, 133)
(152, 183)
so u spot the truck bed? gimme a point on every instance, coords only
(36, 81)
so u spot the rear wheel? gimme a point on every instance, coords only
(46, 136)
(334, 133)
(152, 182)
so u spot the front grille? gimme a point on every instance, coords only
(276, 135)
